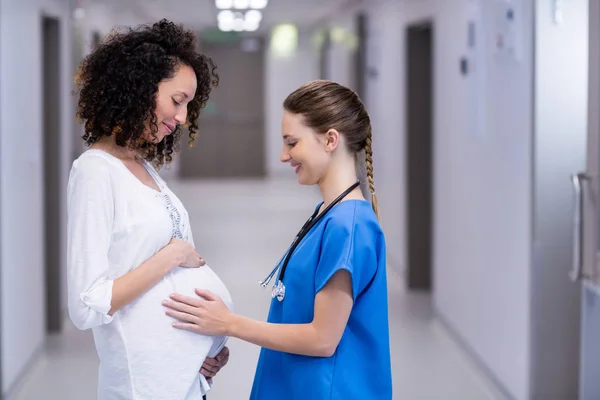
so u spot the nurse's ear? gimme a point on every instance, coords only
(332, 140)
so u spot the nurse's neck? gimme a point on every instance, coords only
(340, 175)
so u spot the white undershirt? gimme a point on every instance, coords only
(115, 223)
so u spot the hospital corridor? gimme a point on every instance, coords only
(241, 229)
(466, 133)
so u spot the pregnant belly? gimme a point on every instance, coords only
(186, 280)
(160, 355)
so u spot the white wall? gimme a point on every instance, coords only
(482, 182)
(483, 203)
(21, 175)
(22, 291)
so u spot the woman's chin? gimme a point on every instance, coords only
(157, 139)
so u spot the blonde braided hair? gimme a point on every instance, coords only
(369, 165)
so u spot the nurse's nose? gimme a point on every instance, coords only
(285, 156)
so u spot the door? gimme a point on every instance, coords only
(419, 147)
(231, 137)
(52, 156)
(360, 56)
(586, 249)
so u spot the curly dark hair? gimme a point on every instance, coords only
(117, 85)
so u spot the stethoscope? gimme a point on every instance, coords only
(279, 288)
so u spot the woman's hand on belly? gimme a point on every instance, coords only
(185, 254)
(206, 314)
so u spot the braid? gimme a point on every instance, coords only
(369, 164)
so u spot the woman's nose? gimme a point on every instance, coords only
(181, 117)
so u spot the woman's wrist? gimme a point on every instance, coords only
(169, 258)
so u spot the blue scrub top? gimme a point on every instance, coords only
(347, 237)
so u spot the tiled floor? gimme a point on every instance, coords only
(241, 229)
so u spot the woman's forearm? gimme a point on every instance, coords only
(141, 279)
(303, 339)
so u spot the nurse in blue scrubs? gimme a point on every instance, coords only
(327, 334)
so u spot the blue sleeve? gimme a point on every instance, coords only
(346, 246)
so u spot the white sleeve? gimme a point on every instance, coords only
(90, 206)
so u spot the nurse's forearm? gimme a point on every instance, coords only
(319, 338)
(303, 339)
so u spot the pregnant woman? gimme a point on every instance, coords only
(129, 237)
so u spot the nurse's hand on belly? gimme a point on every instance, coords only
(207, 314)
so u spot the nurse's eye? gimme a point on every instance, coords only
(176, 103)
(292, 144)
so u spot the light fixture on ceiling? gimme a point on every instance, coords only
(225, 19)
(231, 16)
(238, 24)
(284, 40)
(241, 4)
(226, 26)
(223, 4)
(252, 20)
(253, 16)
(251, 26)
(258, 4)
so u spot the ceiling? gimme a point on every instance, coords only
(200, 14)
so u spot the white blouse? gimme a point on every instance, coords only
(115, 223)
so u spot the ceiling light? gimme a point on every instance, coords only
(226, 16)
(258, 4)
(251, 26)
(253, 16)
(284, 40)
(241, 4)
(337, 34)
(226, 26)
(238, 25)
(223, 4)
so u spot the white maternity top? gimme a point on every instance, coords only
(115, 223)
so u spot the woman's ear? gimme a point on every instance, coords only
(332, 140)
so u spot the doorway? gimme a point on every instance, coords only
(231, 138)
(360, 56)
(419, 149)
(52, 156)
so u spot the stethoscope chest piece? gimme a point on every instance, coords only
(278, 291)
